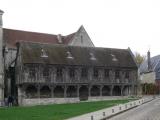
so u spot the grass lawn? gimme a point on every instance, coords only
(55, 111)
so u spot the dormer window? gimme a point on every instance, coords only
(114, 58)
(69, 55)
(92, 57)
(43, 54)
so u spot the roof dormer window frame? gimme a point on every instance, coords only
(43, 53)
(69, 55)
(92, 57)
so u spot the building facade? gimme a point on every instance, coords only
(60, 73)
(64, 69)
(150, 74)
(1, 61)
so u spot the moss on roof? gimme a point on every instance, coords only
(57, 54)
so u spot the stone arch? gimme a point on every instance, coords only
(83, 92)
(95, 91)
(135, 90)
(116, 91)
(71, 91)
(31, 91)
(106, 91)
(125, 91)
(45, 92)
(59, 92)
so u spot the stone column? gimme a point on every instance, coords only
(132, 90)
(65, 91)
(53, 75)
(111, 88)
(122, 87)
(20, 96)
(101, 90)
(52, 91)
(89, 91)
(1, 61)
(78, 86)
(38, 91)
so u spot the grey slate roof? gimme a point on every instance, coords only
(154, 63)
(1, 11)
(57, 54)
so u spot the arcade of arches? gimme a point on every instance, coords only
(73, 91)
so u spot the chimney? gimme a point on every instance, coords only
(149, 61)
(59, 37)
(1, 13)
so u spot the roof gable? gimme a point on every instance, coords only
(81, 38)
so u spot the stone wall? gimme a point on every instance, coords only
(1, 61)
(148, 78)
(45, 101)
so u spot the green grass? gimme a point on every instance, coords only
(54, 112)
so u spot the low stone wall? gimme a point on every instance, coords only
(107, 98)
(45, 101)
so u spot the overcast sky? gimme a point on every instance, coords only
(109, 23)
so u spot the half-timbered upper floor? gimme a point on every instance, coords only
(39, 73)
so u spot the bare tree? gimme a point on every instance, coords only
(139, 58)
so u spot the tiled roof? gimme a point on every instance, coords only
(89, 56)
(1, 11)
(13, 36)
(154, 64)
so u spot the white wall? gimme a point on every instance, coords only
(148, 77)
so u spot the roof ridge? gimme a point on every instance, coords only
(18, 30)
(70, 46)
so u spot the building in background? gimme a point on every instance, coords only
(1, 61)
(150, 74)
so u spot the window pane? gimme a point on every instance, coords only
(106, 72)
(95, 72)
(59, 72)
(84, 72)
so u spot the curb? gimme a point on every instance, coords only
(112, 111)
(127, 109)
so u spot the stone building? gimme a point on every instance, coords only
(1, 61)
(62, 68)
(64, 73)
(150, 72)
(11, 37)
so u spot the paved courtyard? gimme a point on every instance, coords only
(148, 111)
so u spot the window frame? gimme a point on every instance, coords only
(106, 73)
(84, 72)
(71, 72)
(95, 72)
(59, 72)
